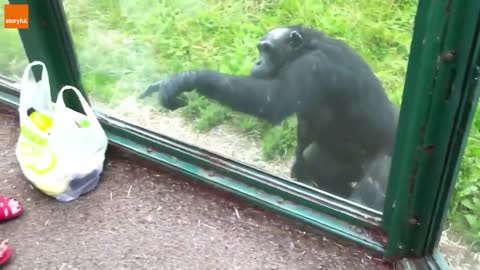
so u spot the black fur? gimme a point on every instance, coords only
(371, 190)
(342, 108)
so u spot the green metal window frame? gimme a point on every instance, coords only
(439, 101)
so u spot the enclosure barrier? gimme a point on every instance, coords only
(439, 101)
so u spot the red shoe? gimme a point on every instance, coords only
(5, 252)
(9, 208)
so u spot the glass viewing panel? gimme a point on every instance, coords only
(346, 122)
(342, 142)
(460, 240)
(12, 55)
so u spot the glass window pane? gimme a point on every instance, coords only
(12, 56)
(460, 240)
(346, 122)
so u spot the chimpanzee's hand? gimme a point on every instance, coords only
(298, 170)
(300, 174)
(169, 92)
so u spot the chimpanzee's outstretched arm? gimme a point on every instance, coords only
(269, 99)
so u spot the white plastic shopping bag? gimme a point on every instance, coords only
(60, 151)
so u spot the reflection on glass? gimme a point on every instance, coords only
(12, 56)
(460, 240)
(289, 100)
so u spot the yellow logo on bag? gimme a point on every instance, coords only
(36, 156)
(41, 160)
(32, 136)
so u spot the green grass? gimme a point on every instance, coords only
(130, 45)
(124, 45)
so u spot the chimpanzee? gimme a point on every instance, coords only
(371, 189)
(340, 104)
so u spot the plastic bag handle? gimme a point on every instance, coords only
(45, 81)
(86, 107)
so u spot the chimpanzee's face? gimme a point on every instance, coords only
(275, 50)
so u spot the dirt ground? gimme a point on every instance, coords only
(140, 217)
(228, 141)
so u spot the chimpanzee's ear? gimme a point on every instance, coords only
(295, 40)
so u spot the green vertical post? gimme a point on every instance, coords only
(435, 110)
(48, 40)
